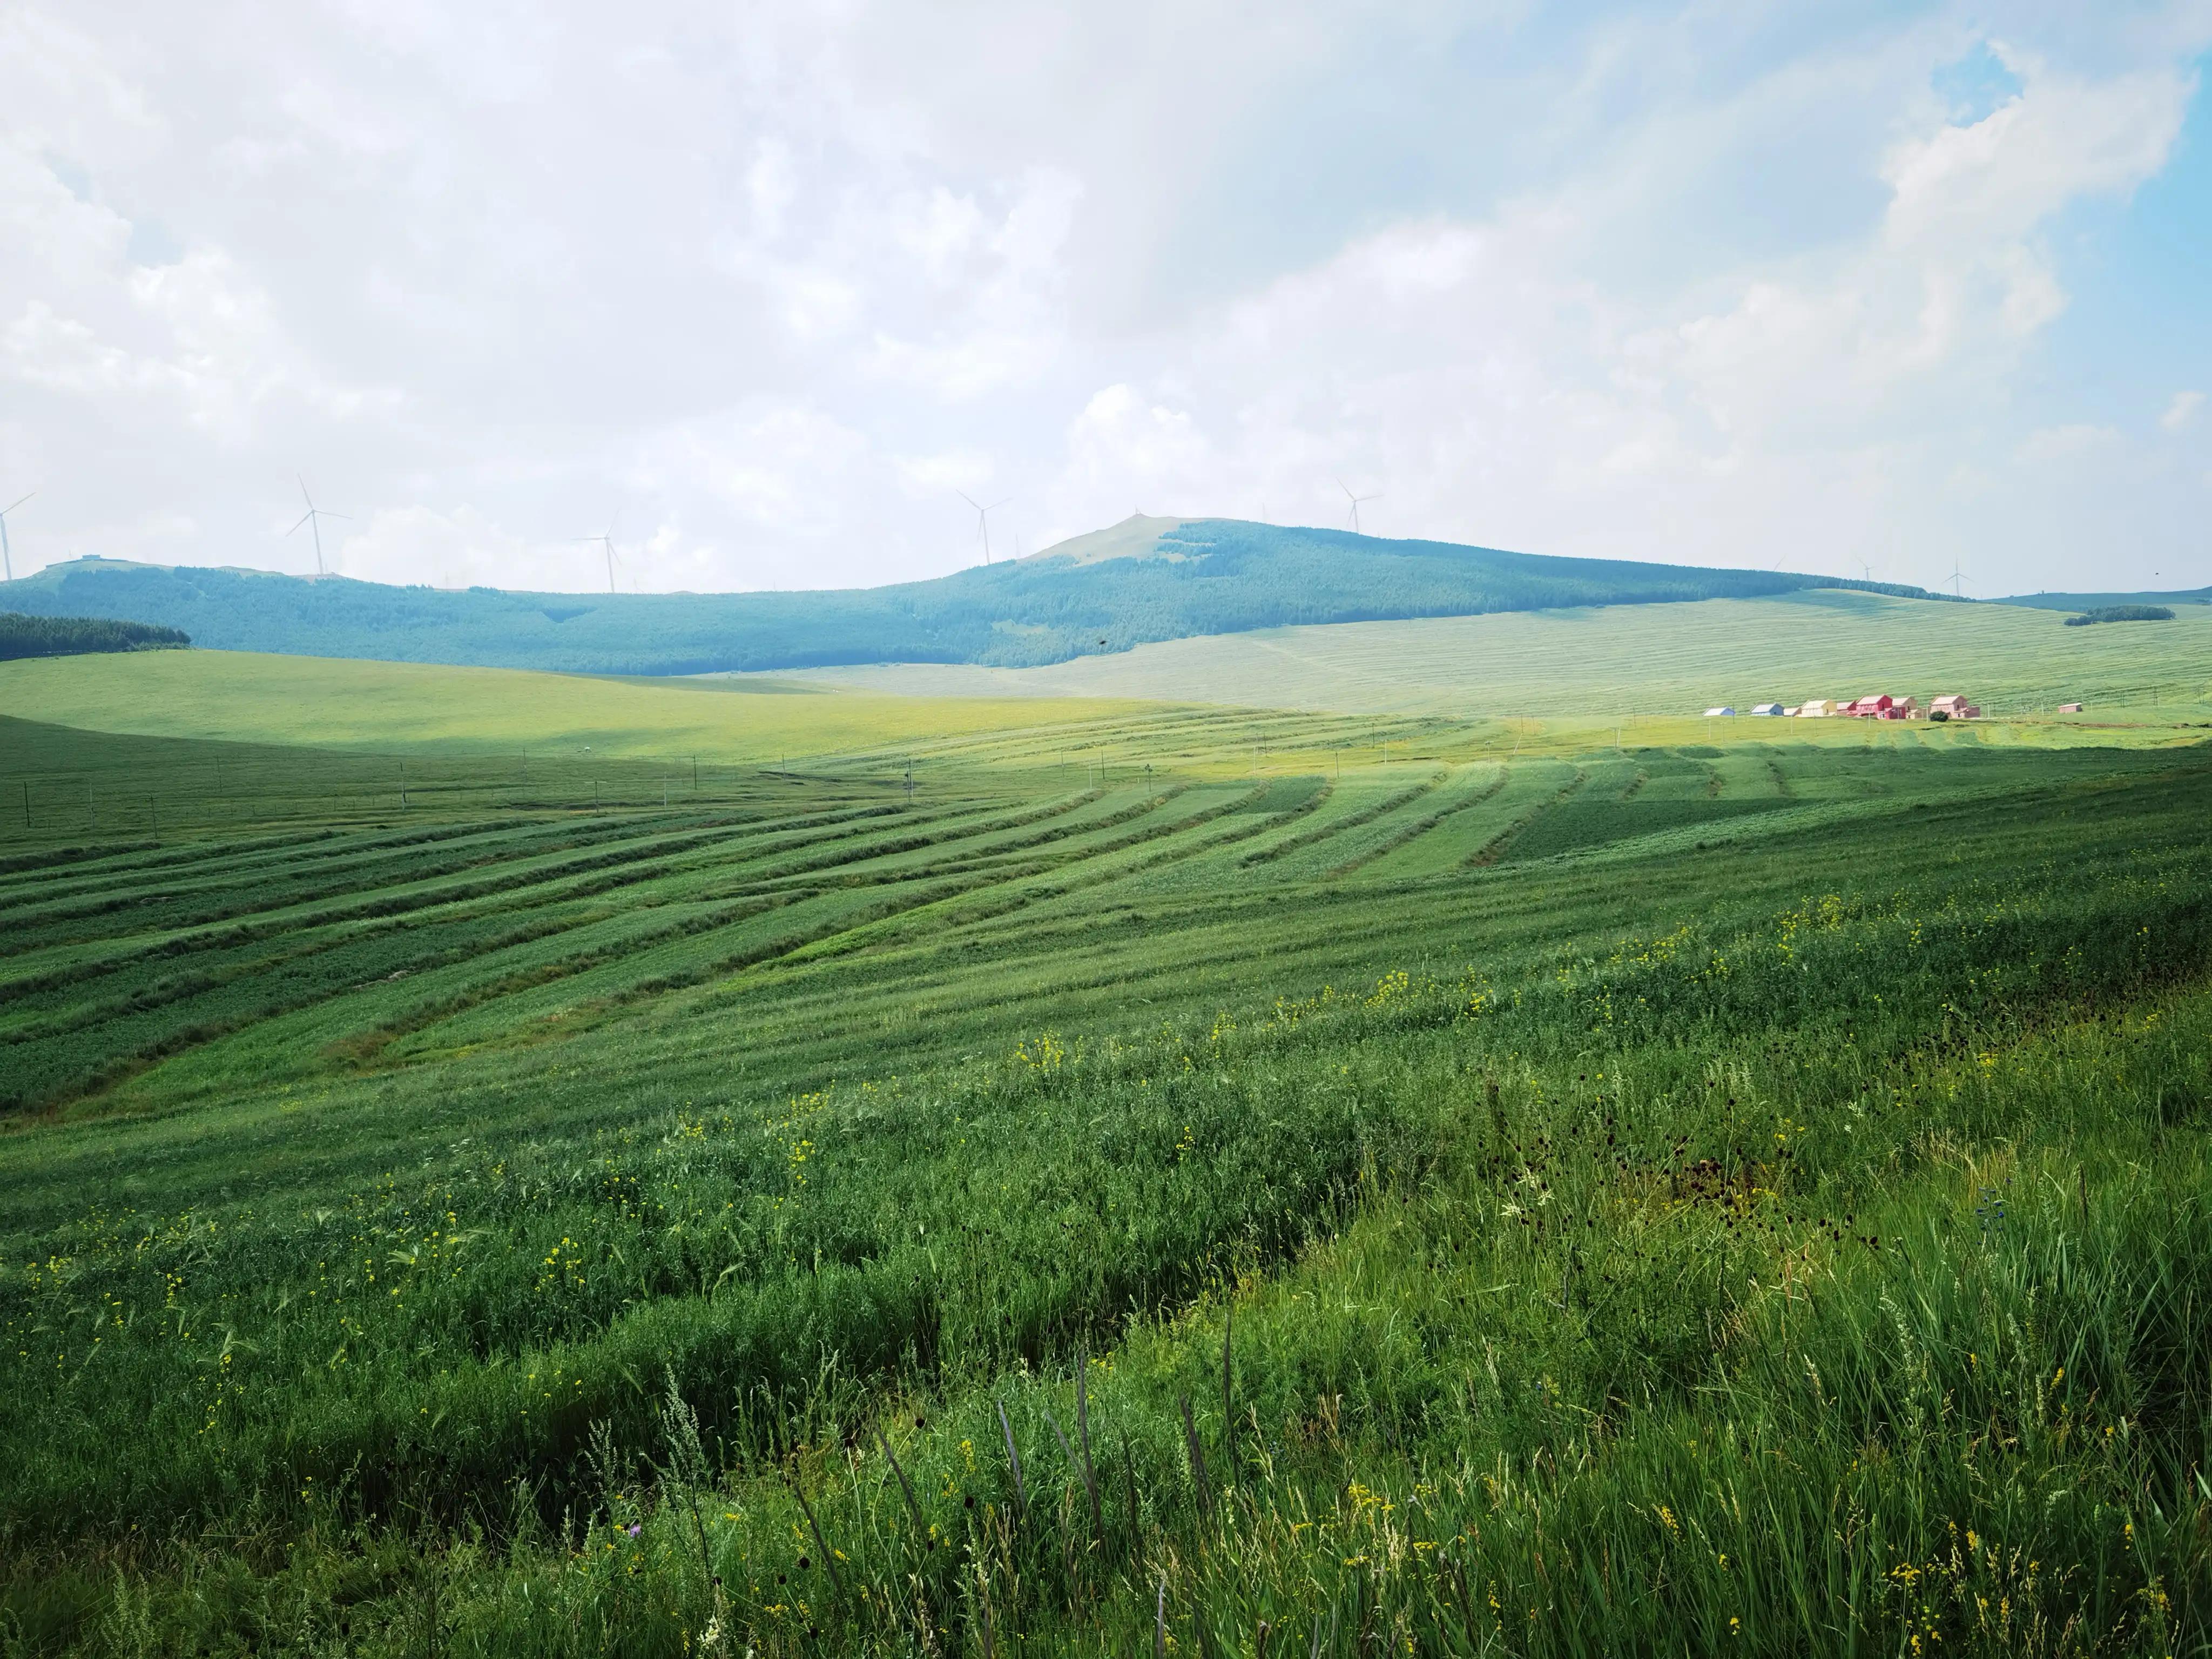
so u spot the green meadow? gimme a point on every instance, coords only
(507, 1163)
(1643, 660)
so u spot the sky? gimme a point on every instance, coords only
(1883, 289)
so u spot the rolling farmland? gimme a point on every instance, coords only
(595, 1205)
(307, 923)
(1664, 660)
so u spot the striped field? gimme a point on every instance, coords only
(507, 1164)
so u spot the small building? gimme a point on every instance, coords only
(1774, 709)
(1818, 708)
(1872, 706)
(1902, 708)
(2070, 707)
(1953, 705)
(1714, 713)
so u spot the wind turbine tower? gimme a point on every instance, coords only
(312, 519)
(983, 519)
(1355, 501)
(1958, 580)
(8, 557)
(606, 541)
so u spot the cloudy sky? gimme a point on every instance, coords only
(1840, 286)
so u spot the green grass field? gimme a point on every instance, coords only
(1173, 1175)
(1665, 660)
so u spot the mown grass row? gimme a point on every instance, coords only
(803, 1221)
(1737, 1320)
(476, 903)
(407, 1341)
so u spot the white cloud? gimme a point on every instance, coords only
(414, 545)
(2068, 443)
(1121, 439)
(955, 470)
(1661, 281)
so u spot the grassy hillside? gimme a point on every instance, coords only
(1671, 659)
(271, 699)
(287, 736)
(1145, 579)
(1170, 1178)
(2098, 601)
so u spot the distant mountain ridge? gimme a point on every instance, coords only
(1141, 580)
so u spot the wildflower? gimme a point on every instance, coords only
(633, 1529)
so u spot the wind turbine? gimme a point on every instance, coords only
(606, 541)
(1957, 580)
(983, 518)
(8, 558)
(1355, 501)
(312, 519)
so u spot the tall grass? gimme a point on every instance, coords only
(1775, 1246)
(1739, 1310)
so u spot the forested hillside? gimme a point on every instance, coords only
(1187, 577)
(70, 636)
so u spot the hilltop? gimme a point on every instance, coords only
(1142, 580)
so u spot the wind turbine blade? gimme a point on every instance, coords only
(1346, 488)
(304, 496)
(12, 506)
(338, 515)
(996, 505)
(970, 500)
(304, 516)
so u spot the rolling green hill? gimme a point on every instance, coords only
(1695, 1196)
(1635, 659)
(1143, 580)
(2101, 601)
